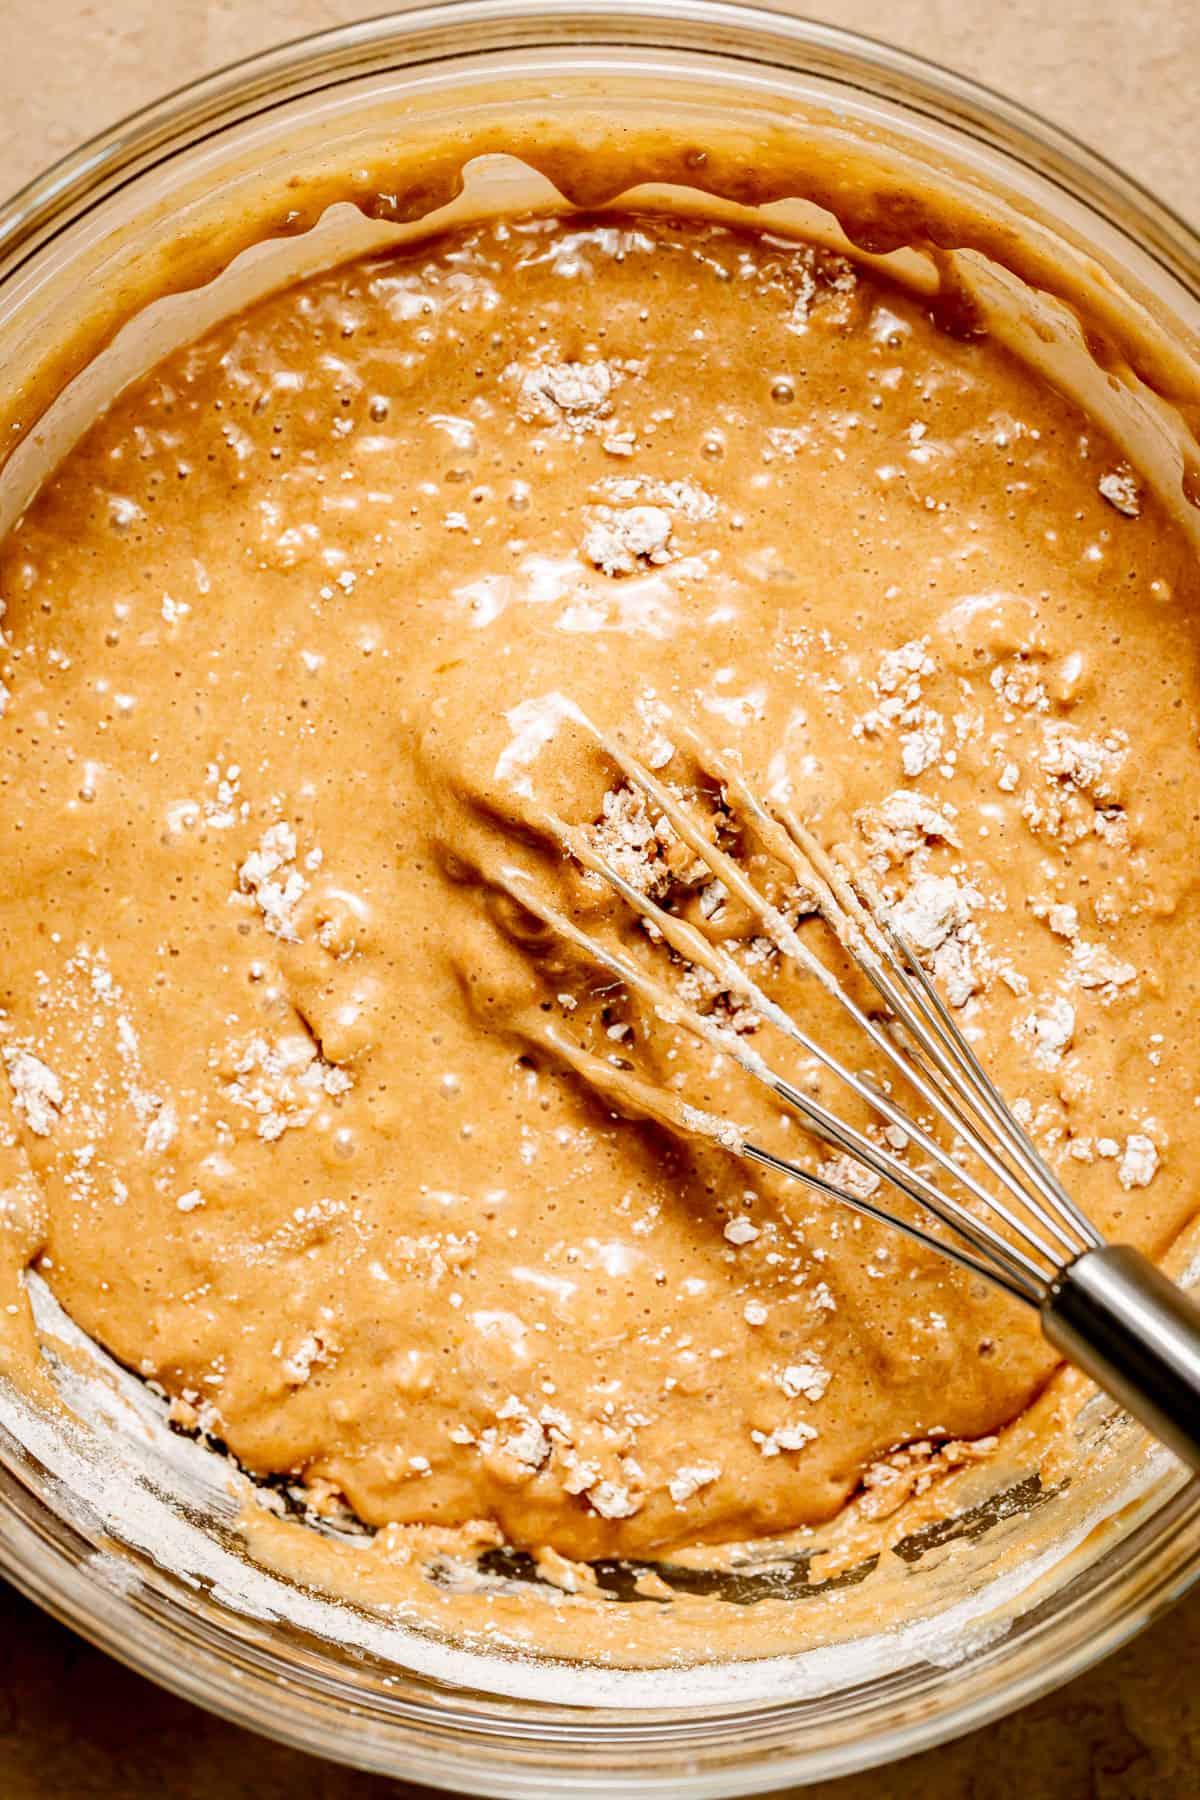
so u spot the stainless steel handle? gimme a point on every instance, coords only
(1120, 1320)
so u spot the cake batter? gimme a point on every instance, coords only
(282, 637)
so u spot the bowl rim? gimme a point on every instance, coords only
(256, 1701)
(50, 203)
(110, 155)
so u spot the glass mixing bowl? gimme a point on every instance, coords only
(129, 1533)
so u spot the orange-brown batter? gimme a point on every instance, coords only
(280, 637)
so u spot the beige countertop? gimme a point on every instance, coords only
(75, 1726)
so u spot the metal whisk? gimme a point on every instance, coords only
(1003, 1212)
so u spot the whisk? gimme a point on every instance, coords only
(994, 1206)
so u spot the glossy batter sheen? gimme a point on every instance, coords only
(295, 1071)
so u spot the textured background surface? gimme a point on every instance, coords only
(74, 1726)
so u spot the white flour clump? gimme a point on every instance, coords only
(1120, 488)
(276, 886)
(578, 394)
(1063, 920)
(934, 917)
(934, 907)
(784, 1437)
(1093, 966)
(284, 1083)
(644, 848)
(902, 670)
(805, 1380)
(897, 688)
(612, 1501)
(954, 971)
(1139, 1161)
(520, 1445)
(527, 1443)
(901, 825)
(300, 1360)
(1086, 763)
(631, 841)
(684, 497)
(37, 1091)
(847, 1173)
(1051, 1030)
(921, 745)
(686, 1482)
(618, 540)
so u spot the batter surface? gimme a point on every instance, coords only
(293, 1071)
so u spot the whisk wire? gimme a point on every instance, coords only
(887, 963)
(1021, 1275)
(697, 949)
(975, 1265)
(871, 939)
(1104, 1306)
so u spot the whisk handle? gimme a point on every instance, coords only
(1124, 1323)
